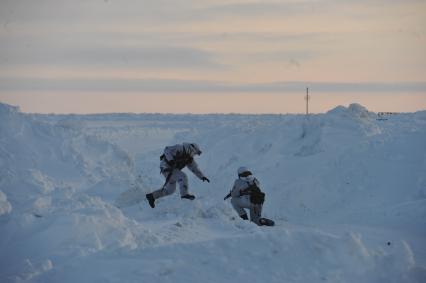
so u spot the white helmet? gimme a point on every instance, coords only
(192, 148)
(243, 172)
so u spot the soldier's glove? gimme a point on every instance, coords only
(205, 179)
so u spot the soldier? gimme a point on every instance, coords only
(173, 160)
(246, 194)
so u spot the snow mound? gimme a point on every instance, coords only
(54, 155)
(51, 174)
(353, 110)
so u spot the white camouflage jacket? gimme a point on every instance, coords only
(176, 152)
(241, 184)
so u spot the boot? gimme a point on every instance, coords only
(151, 200)
(244, 216)
(266, 222)
(188, 196)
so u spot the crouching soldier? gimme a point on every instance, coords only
(173, 160)
(246, 194)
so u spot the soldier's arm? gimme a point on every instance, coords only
(193, 167)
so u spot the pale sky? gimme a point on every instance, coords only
(207, 56)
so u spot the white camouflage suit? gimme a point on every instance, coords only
(240, 202)
(171, 154)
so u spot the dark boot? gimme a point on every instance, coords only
(151, 200)
(266, 222)
(188, 196)
(244, 217)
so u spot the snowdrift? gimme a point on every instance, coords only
(47, 175)
(347, 191)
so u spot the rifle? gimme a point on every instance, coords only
(242, 192)
(227, 196)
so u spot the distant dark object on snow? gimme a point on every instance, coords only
(382, 116)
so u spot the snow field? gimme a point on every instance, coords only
(347, 192)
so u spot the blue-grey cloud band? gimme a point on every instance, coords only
(140, 57)
(194, 86)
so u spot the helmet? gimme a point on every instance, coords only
(192, 148)
(244, 172)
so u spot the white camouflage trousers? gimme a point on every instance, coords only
(169, 188)
(240, 203)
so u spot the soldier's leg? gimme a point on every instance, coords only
(182, 179)
(168, 188)
(255, 213)
(239, 204)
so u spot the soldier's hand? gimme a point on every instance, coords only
(205, 179)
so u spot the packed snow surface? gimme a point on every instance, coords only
(346, 189)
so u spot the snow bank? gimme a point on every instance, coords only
(51, 174)
(296, 255)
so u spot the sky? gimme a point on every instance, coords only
(212, 56)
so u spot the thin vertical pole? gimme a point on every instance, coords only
(307, 101)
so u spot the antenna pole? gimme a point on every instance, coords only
(307, 100)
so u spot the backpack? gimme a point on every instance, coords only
(179, 161)
(256, 195)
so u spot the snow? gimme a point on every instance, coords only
(5, 206)
(347, 192)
